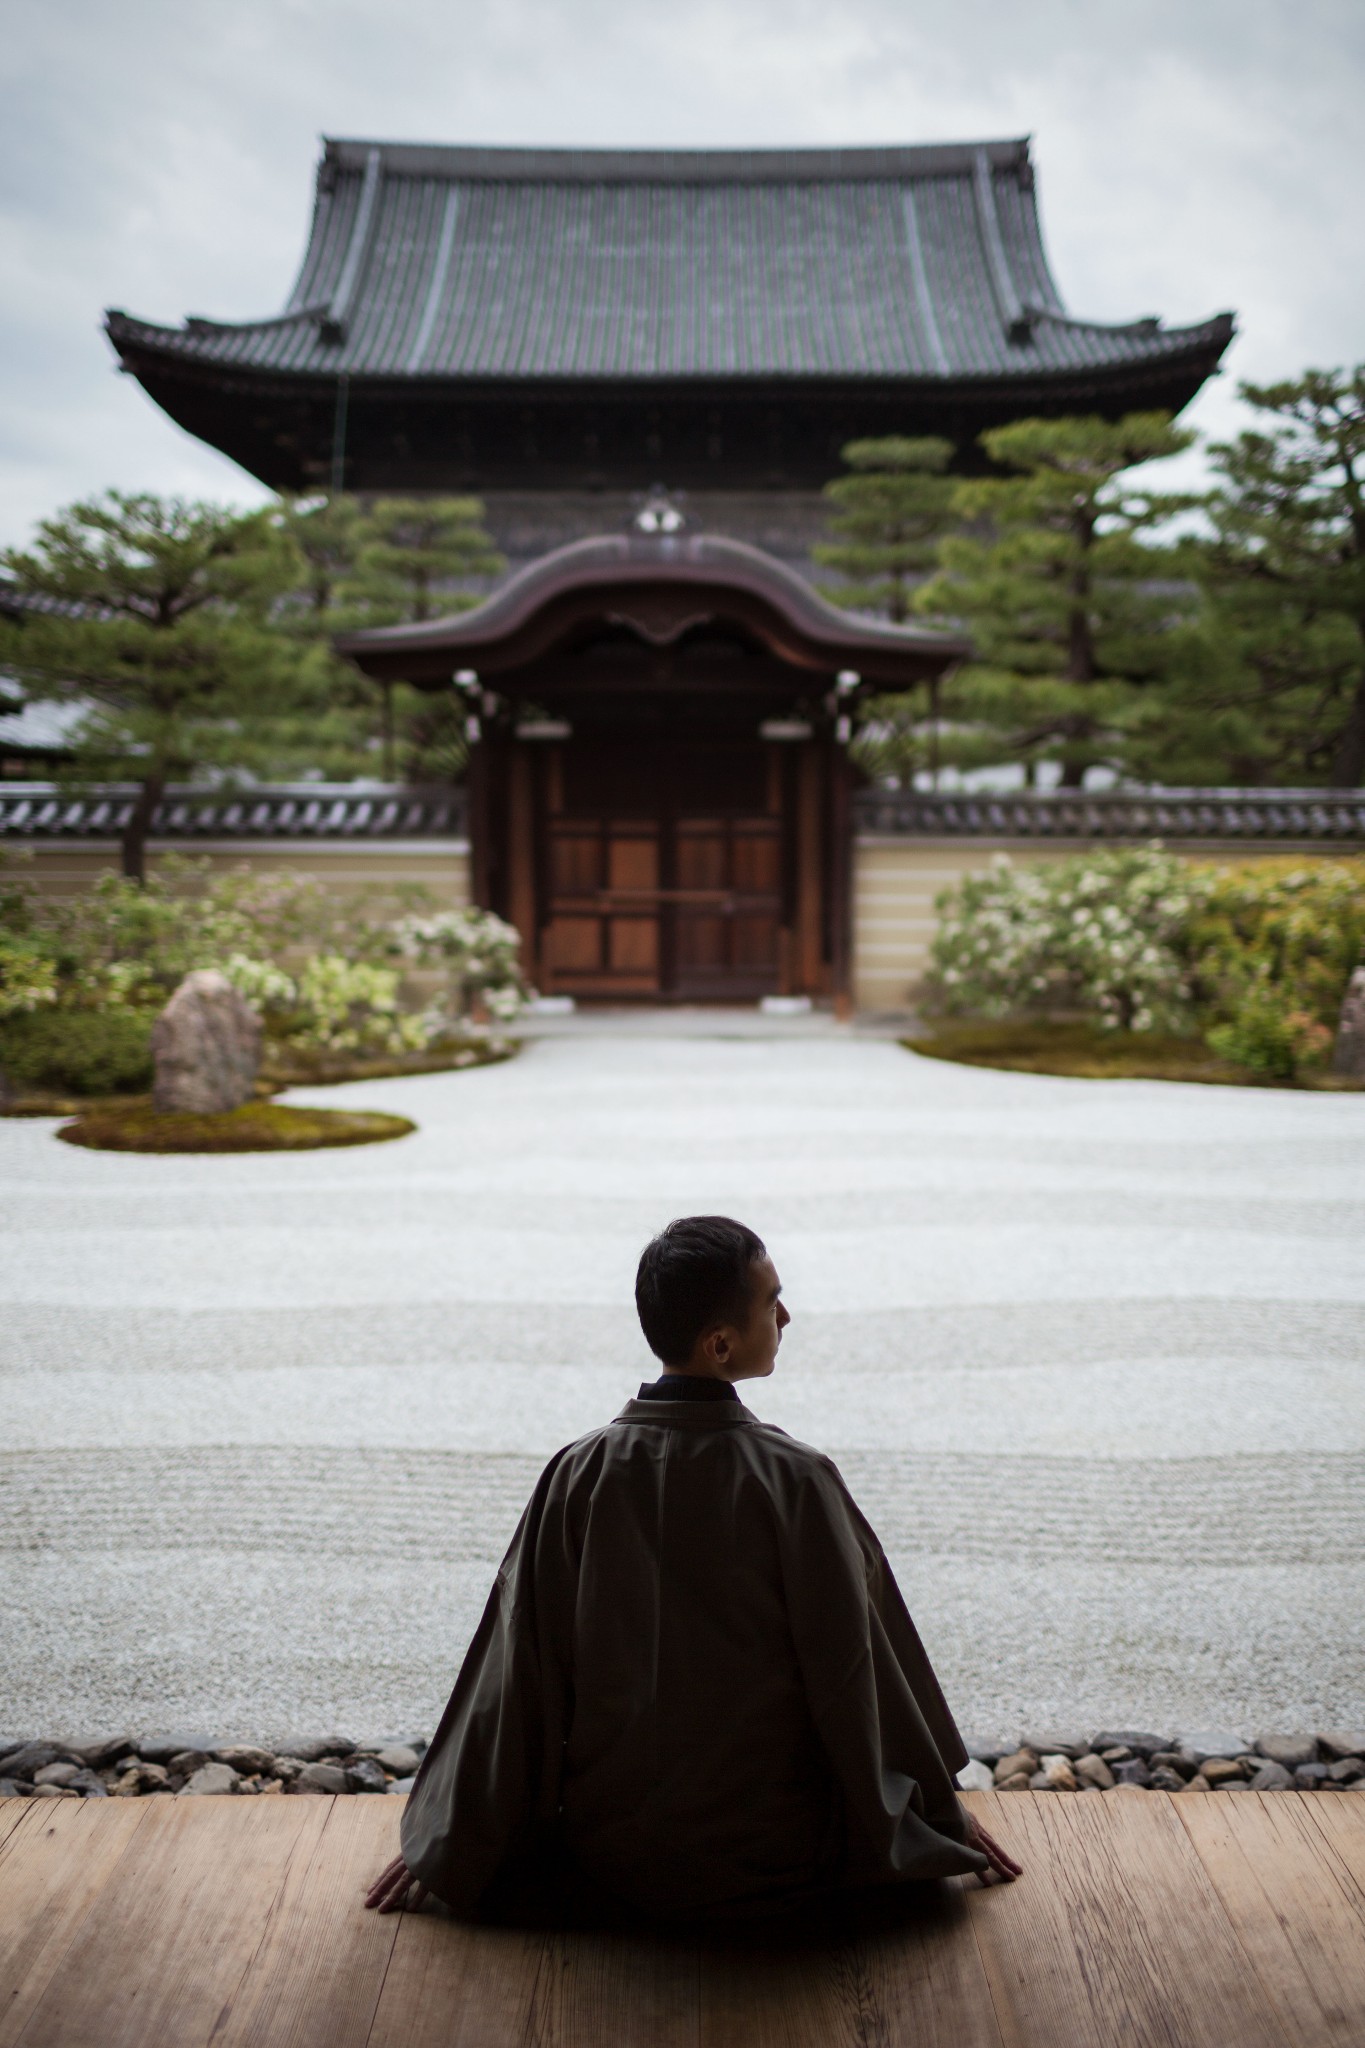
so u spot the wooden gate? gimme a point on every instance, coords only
(663, 872)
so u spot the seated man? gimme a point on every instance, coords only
(695, 1689)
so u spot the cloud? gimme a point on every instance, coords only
(1194, 154)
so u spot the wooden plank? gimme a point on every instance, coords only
(165, 1945)
(12, 1812)
(317, 1971)
(53, 1868)
(1114, 1933)
(1299, 1913)
(885, 1972)
(634, 1991)
(453, 1986)
(1340, 1818)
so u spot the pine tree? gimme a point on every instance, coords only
(155, 616)
(888, 518)
(1272, 689)
(1070, 606)
(414, 554)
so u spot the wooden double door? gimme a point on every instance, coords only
(665, 872)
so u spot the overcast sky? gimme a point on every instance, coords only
(1193, 155)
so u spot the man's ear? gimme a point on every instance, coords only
(717, 1345)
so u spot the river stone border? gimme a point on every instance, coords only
(131, 1766)
(184, 1765)
(1203, 1760)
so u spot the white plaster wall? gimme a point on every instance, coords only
(64, 867)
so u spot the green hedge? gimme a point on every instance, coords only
(78, 1052)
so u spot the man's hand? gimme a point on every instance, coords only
(1003, 1868)
(389, 1892)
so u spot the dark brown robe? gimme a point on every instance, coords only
(695, 1686)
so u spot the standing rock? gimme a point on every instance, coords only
(1058, 1773)
(1349, 1057)
(210, 1780)
(1272, 1777)
(1094, 1771)
(207, 1047)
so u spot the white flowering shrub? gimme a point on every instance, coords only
(1100, 933)
(478, 952)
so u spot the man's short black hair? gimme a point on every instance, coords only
(692, 1276)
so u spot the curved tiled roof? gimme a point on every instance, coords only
(662, 585)
(433, 263)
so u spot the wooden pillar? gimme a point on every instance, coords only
(840, 870)
(476, 784)
(521, 855)
(810, 866)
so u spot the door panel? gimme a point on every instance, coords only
(633, 945)
(663, 875)
(632, 863)
(573, 945)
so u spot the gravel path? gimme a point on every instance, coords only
(1089, 1353)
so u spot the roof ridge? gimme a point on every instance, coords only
(499, 162)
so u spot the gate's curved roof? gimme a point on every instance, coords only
(660, 587)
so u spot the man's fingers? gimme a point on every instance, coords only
(391, 1886)
(1002, 1864)
(999, 1859)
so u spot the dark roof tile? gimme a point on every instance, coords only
(458, 264)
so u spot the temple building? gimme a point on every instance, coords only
(646, 364)
(560, 330)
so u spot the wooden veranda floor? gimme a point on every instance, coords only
(1232, 1920)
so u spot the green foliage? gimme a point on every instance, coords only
(411, 552)
(328, 973)
(1272, 945)
(77, 1052)
(1257, 958)
(1272, 688)
(887, 519)
(159, 625)
(1067, 597)
(393, 561)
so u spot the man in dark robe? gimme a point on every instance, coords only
(695, 1691)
